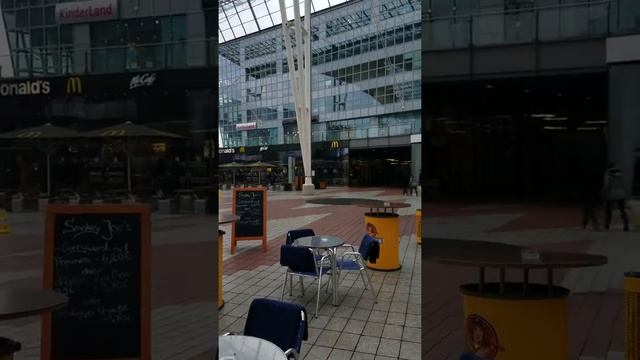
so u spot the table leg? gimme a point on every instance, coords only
(334, 277)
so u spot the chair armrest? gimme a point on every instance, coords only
(355, 254)
(229, 333)
(290, 352)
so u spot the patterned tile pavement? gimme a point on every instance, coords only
(595, 308)
(358, 328)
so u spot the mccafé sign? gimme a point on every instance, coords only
(32, 87)
(86, 11)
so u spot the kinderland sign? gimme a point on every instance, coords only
(86, 11)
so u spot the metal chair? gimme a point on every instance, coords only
(300, 261)
(357, 262)
(293, 235)
(279, 322)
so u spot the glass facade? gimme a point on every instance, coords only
(366, 69)
(464, 23)
(171, 35)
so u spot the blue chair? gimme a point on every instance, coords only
(294, 235)
(301, 262)
(281, 323)
(355, 260)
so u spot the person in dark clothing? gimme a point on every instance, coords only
(590, 193)
(615, 194)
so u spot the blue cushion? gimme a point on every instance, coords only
(294, 235)
(365, 246)
(347, 264)
(278, 322)
(298, 259)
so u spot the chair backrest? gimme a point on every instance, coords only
(365, 246)
(279, 322)
(297, 258)
(294, 235)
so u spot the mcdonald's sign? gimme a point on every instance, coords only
(74, 85)
(242, 150)
(114, 132)
(335, 144)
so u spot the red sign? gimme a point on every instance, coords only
(86, 11)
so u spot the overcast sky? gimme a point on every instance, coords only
(237, 18)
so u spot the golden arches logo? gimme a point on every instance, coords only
(114, 132)
(74, 85)
(335, 144)
(30, 134)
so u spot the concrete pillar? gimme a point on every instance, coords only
(624, 118)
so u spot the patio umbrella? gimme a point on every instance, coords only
(232, 165)
(128, 132)
(45, 136)
(260, 165)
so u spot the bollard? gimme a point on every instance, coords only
(5, 229)
(7, 348)
(419, 226)
(632, 315)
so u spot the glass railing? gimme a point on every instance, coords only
(65, 60)
(329, 135)
(544, 24)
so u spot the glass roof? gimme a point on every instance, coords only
(237, 18)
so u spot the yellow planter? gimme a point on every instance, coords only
(220, 241)
(386, 228)
(632, 315)
(515, 326)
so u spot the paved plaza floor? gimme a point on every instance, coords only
(358, 328)
(596, 305)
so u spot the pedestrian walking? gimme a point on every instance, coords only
(615, 195)
(590, 188)
(413, 186)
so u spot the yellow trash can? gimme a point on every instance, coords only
(514, 325)
(220, 268)
(632, 315)
(385, 227)
(419, 226)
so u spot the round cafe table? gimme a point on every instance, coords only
(513, 315)
(327, 243)
(240, 347)
(19, 303)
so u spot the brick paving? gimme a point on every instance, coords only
(356, 329)
(596, 312)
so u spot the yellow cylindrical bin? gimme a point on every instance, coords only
(632, 315)
(516, 325)
(419, 226)
(220, 241)
(385, 227)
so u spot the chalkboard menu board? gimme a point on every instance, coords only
(250, 205)
(99, 257)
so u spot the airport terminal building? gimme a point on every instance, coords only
(524, 99)
(366, 93)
